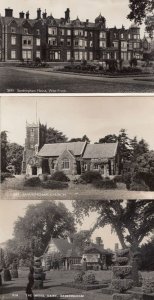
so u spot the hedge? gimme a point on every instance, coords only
(53, 184)
(90, 176)
(59, 176)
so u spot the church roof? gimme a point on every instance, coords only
(106, 150)
(50, 150)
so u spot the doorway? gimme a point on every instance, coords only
(34, 170)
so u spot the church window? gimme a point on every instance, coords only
(38, 42)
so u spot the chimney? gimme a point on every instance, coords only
(38, 13)
(116, 247)
(27, 15)
(87, 21)
(44, 15)
(98, 241)
(21, 15)
(67, 14)
(8, 12)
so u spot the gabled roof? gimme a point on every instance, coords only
(106, 150)
(62, 244)
(48, 150)
(96, 248)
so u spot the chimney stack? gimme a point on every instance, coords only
(27, 15)
(21, 15)
(8, 12)
(67, 14)
(116, 247)
(38, 13)
(98, 241)
(44, 15)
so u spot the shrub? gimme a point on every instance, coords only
(105, 184)
(79, 277)
(138, 186)
(5, 175)
(60, 176)
(32, 181)
(91, 176)
(89, 278)
(118, 178)
(53, 184)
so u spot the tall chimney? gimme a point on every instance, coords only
(67, 14)
(44, 15)
(27, 15)
(98, 240)
(116, 247)
(8, 12)
(38, 13)
(21, 15)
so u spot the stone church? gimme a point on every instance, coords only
(73, 158)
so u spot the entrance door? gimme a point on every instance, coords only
(45, 166)
(34, 170)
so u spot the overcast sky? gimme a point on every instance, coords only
(115, 11)
(76, 116)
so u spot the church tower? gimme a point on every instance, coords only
(30, 161)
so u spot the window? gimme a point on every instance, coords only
(122, 35)
(13, 54)
(38, 42)
(13, 40)
(80, 55)
(52, 41)
(76, 32)
(68, 42)
(62, 32)
(91, 43)
(85, 34)
(102, 44)
(76, 56)
(68, 55)
(85, 167)
(85, 55)
(26, 30)
(65, 164)
(61, 42)
(134, 36)
(13, 30)
(29, 42)
(38, 31)
(115, 35)
(76, 43)
(91, 34)
(52, 31)
(26, 54)
(115, 44)
(80, 43)
(85, 43)
(102, 35)
(32, 132)
(68, 32)
(53, 164)
(129, 36)
(25, 42)
(90, 55)
(81, 32)
(136, 45)
(96, 167)
(124, 45)
(38, 54)
(130, 46)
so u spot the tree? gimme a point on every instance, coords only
(55, 136)
(140, 9)
(83, 139)
(4, 143)
(110, 138)
(80, 240)
(42, 221)
(132, 220)
(14, 156)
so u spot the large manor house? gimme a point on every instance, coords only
(73, 158)
(52, 39)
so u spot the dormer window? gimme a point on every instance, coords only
(25, 30)
(13, 30)
(38, 31)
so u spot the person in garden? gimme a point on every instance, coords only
(30, 284)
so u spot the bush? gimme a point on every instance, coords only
(90, 176)
(5, 175)
(118, 178)
(53, 184)
(105, 184)
(138, 186)
(60, 176)
(89, 278)
(32, 181)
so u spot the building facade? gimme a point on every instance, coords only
(73, 158)
(63, 39)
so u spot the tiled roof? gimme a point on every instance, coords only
(57, 149)
(106, 150)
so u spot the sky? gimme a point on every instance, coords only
(115, 11)
(76, 116)
(14, 208)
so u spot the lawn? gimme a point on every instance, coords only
(52, 286)
(13, 188)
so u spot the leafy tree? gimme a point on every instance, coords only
(80, 240)
(4, 143)
(55, 136)
(138, 147)
(42, 221)
(140, 9)
(110, 138)
(14, 156)
(132, 220)
(147, 252)
(83, 139)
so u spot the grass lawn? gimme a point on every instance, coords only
(15, 289)
(13, 188)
